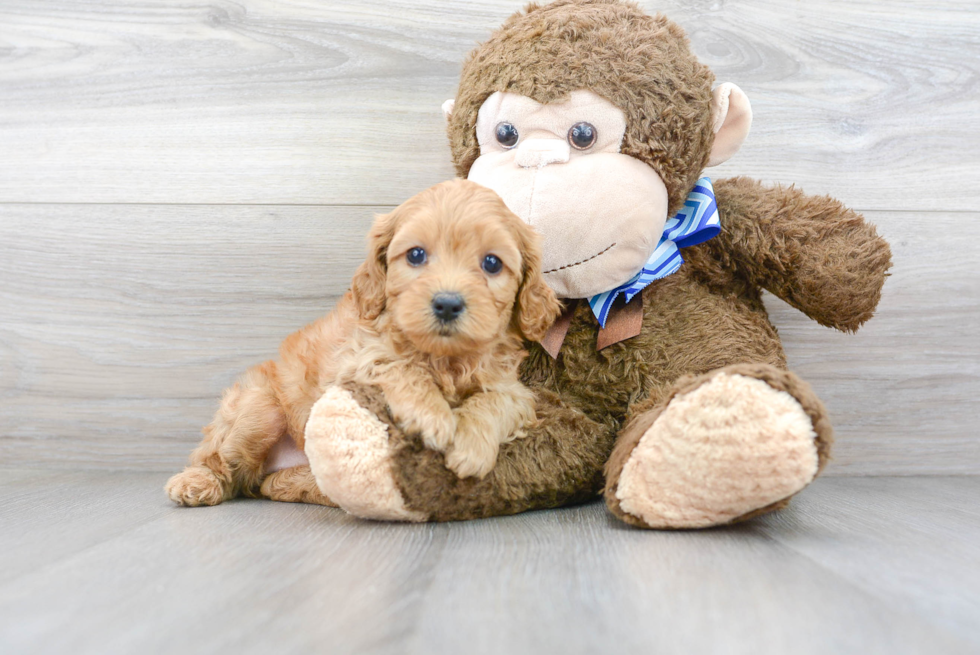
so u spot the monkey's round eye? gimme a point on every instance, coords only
(507, 135)
(492, 264)
(416, 256)
(582, 136)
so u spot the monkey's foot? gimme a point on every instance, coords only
(726, 446)
(347, 446)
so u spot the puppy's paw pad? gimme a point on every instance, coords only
(195, 486)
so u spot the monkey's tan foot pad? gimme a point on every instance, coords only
(347, 447)
(729, 447)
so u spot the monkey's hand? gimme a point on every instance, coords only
(810, 251)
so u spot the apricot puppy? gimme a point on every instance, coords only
(435, 317)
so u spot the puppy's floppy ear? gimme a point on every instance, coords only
(537, 306)
(368, 285)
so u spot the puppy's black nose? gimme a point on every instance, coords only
(447, 306)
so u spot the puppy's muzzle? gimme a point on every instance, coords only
(447, 307)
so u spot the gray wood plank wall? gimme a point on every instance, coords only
(182, 184)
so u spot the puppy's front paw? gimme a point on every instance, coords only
(472, 457)
(437, 428)
(475, 446)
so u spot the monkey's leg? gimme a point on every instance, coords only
(721, 447)
(373, 470)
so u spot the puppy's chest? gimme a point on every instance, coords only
(454, 389)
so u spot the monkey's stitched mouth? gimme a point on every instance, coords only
(587, 259)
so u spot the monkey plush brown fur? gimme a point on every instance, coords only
(639, 63)
(695, 421)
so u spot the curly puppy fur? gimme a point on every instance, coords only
(452, 383)
(455, 383)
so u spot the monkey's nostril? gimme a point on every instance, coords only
(448, 306)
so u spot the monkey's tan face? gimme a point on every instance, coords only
(558, 167)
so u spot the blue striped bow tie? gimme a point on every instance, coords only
(696, 221)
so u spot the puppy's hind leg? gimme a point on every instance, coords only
(294, 485)
(229, 459)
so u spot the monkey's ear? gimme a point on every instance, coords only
(368, 285)
(447, 108)
(731, 116)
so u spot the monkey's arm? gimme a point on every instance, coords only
(811, 251)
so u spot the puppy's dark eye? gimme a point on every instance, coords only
(492, 264)
(416, 256)
(582, 136)
(507, 135)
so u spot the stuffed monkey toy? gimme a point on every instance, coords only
(664, 385)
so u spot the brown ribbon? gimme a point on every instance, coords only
(555, 336)
(625, 321)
